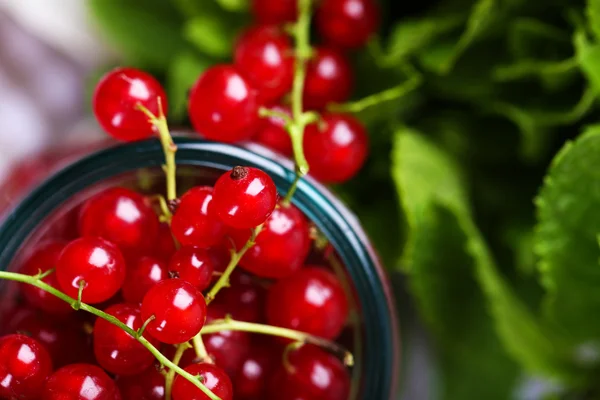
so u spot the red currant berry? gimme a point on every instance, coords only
(244, 197)
(347, 23)
(42, 260)
(336, 148)
(79, 382)
(220, 255)
(226, 348)
(328, 79)
(164, 248)
(143, 274)
(272, 133)
(244, 299)
(314, 374)
(122, 217)
(116, 350)
(178, 308)
(149, 385)
(281, 247)
(275, 12)
(195, 222)
(223, 106)
(312, 300)
(264, 54)
(24, 367)
(213, 377)
(250, 381)
(96, 262)
(193, 265)
(115, 100)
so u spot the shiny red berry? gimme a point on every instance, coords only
(24, 367)
(244, 197)
(312, 374)
(328, 79)
(142, 275)
(223, 105)
(80, 382)
(244, 299)
(122, 217)
(251, 380)
(272, 133)
(43, 259)
(213, 377)
(115, 100)
(275, 12)
(116, 351)
(96, 262)
(164, 246)
(178, 308)
(281, 247)
(150, 385)
(264, 55)
(347, 23)
(312, 300)
(194, 265)
(336, 148)
(195, 222)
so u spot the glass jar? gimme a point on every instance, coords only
(376, 364)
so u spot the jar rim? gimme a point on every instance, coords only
(339, 224)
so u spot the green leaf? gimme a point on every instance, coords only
(427, 178)
(211, 35)
(553, 75)
(593, 15)
(234, 5)
(588, 55)
(566, 238)
(148, 35)
(183, 72)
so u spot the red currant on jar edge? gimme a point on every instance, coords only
(347, 23)
(312, 301)
(194, 265)
(264, 54)
(272, 132)
(223, 105)
(96, 262)
(336, 148)
(329, 79)
(116, 97)
(142, 275)
(213, 377)
(244, 197)
(24, 367)
(275, 12)
(80, 381)
(178, 308)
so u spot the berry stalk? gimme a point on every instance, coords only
(36, 280)
(171, 374)
(200, 349)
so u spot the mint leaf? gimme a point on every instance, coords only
(427, 178)
(182, 74)
(566, 237)
(211, 35)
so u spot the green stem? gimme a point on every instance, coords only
(288, 196)
(200, 349)
(170, 377)
(33, 280)
(229, 324)
(235, 259)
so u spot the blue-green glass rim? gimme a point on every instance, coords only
(380, 342)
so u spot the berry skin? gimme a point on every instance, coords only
(328, 79)
(264, 54)
(223, 106)
(347, 23)
(193, 265)
(214, 378)
(336, 149)
(43, 259)
(312, 301)
(250, 381)
(315, 374)
(115, 100)
(164, 247)
(97, 262)
(149, 385)
(122, 217)
(244, 299)
(275, 12)
(141, 276)
(24, 367)
(273, 135)
(116, 351)
(195, 222)
(80, 382)
(244, 197)
(179, 311)
(281, 247)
